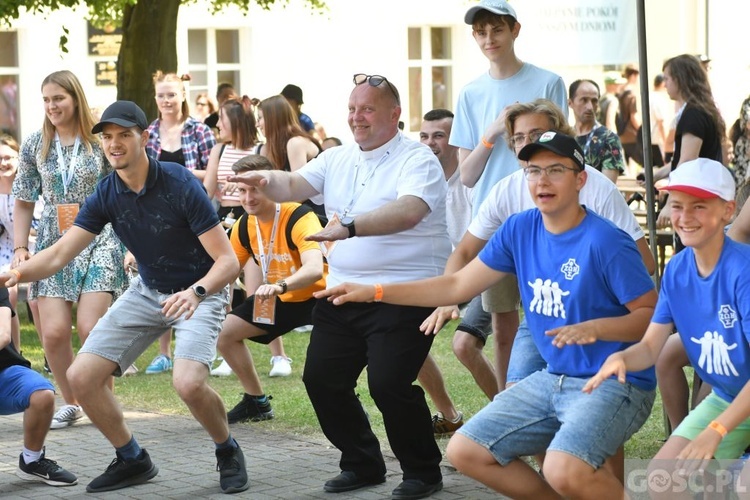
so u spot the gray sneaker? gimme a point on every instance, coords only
(66, 416)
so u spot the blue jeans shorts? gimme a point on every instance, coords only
(476, 320)
(135, 321)
(17, 384)
(524, 355)
(546, 412)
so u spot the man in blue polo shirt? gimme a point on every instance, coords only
(164, 217)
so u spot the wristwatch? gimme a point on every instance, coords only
(282, 284)
(199, 291)
(348, 222)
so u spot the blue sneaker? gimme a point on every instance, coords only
(160, 364)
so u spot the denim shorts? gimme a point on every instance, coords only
(135, 321)
(546, 412)
(525, 358)
(733, 445)
(17, 384)
(476, 320)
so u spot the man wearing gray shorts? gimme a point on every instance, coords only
(163, 216)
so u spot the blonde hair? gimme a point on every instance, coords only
(160, 77)
(84, 119)
(557, 120)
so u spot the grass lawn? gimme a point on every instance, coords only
(294, 414)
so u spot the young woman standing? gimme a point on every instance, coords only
(178, 138)
(63, 162)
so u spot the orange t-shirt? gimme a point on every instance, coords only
(284, 261)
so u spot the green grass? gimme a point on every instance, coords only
(294, 414)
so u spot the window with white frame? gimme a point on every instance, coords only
(430, 72)
(9, 116)
(213, 58)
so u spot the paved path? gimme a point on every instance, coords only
(280, 465)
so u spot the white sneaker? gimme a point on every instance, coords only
(67, 415)
(132, 370)
(223, 370)
(280, 367)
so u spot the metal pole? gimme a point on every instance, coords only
(646, 135)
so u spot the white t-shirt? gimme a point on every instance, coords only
(458, 208)
(511, 196)
(355, 182)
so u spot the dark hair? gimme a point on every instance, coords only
(437, 114)
(225, 90)
(335, 140)
(486, 17)
(659, 80)
(692, 81)
(239, 110)
(630, 70)
(574, 87)
(252, 162)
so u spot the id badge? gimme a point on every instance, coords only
(327, 246)
(264, 311)
(66, 214)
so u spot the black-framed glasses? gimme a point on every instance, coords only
(375, 81)
(554, 172)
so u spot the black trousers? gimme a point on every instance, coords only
(385, 339)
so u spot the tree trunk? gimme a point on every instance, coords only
(149, 43)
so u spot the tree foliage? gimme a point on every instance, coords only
(149, 40)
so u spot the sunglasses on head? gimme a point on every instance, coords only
(375, 81)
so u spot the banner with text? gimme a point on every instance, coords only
(577, 32)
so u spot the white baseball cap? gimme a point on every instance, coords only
(702, 178)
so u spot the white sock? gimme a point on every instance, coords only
(31, 456)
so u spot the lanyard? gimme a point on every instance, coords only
(358, 190)
(66, 172)
(265, 258)
(588, 139)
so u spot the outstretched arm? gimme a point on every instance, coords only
(441, 290)
(277, 185)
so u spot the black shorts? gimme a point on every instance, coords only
(289, 315)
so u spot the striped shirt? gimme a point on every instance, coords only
(229, 157)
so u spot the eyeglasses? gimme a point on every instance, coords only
(375, 81)
(519, 140)
(554, 173)
(7, 159)
(170, 96)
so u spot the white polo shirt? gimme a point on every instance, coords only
(355, 182)
(511, 196)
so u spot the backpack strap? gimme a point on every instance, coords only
(297, 214)
(245, 236)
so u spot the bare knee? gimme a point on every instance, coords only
(466, 346)
(42, 401)
(464, 453)
(189, 385)
(566, 474)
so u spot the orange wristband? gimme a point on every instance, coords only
(378, 292)
(487, 144)
(718, 428)
(17, 273)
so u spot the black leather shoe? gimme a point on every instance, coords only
(348, 481)
(415, 488)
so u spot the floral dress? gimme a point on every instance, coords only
(99, 267)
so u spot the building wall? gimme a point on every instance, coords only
(320, 51)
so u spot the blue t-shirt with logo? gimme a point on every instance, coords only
(160, 225)
(712, 315)
(585, 273)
